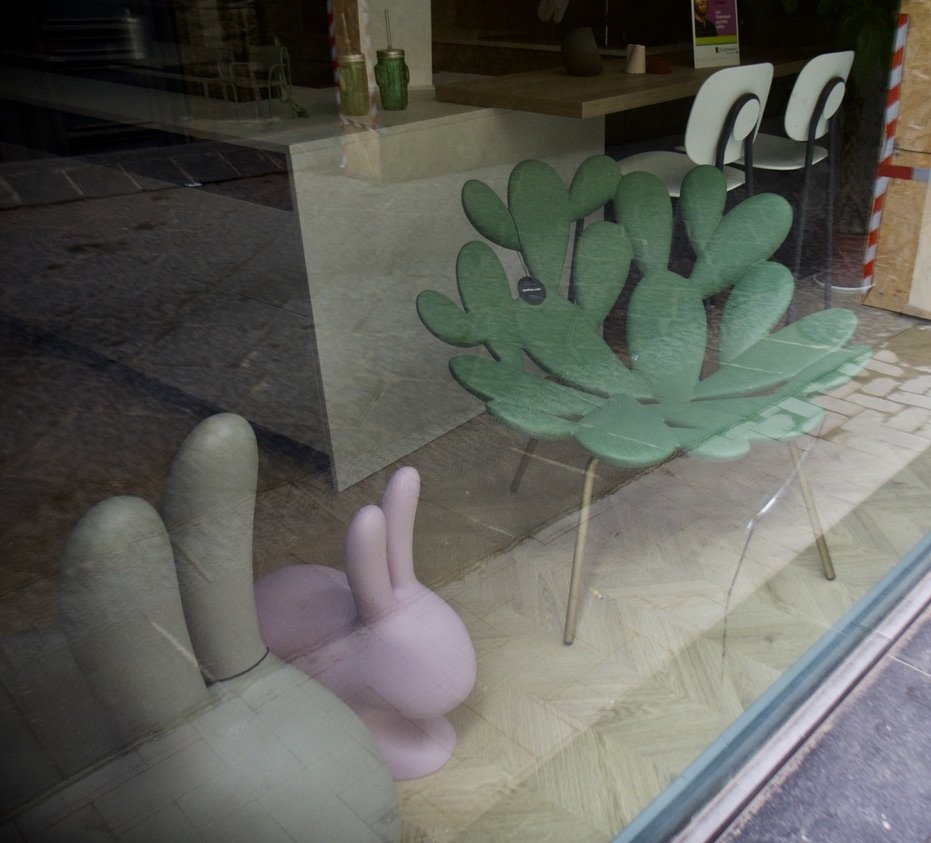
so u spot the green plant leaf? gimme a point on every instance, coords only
(779, 422)
(499, 382)
(489, 303)
(446, 321)
(562, 342)
(667, 333)
(755, 304)
(625, 432)
(641, 415)
(779, 358)
(600, 266)
(593, 186)
(747, 235)
(482, 280)
(532, 420)
(702, 200)
(828, 371)
(488, 214)
(539, 204)
(644, 208)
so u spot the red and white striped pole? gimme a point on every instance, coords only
(334, 51)
(371, 123)
(886, 169)
(365, 47)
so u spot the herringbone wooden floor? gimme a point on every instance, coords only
(555, 742)
(562, 743)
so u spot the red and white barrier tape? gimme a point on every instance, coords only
(334, 50)
(886, 170)
(365, 39)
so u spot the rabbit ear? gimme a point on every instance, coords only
(399, 503)
(367, 565)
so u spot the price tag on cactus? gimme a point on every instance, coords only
(530, 290)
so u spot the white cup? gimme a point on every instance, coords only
(636, 58)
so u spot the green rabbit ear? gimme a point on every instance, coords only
(593, 186)
(488, 214)
(704, 194)
(644, 208)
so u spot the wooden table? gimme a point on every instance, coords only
(556, 92)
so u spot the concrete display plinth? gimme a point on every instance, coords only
(318, 337)
(380, 220)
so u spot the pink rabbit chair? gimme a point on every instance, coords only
(389, 647)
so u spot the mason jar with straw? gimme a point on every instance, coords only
(392, 75)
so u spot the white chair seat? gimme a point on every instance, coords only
(773, 152)
(723, 120)
(672, 167)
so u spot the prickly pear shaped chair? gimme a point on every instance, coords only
(678, 394)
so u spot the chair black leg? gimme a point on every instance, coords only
(799, 239)
(523, 464)
(577, 235)
(801, 223)
(801, 226)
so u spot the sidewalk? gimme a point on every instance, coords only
(209, 164)
(852, 764)
(865, 773)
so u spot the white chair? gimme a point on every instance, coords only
(722, 125)
(813, 104)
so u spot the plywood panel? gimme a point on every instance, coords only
(920, 296)
(900, 277)
(914, 127)
(897, 247)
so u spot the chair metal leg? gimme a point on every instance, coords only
(529, 448)
(579, 556)
(827, 565)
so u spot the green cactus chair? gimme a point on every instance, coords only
(676, 395)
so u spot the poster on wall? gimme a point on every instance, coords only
(714, 33)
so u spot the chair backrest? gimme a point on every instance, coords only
(813, 79)
(747, 86)
(267, 56)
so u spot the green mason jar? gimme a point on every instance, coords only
(392, 76)
(353, 85)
